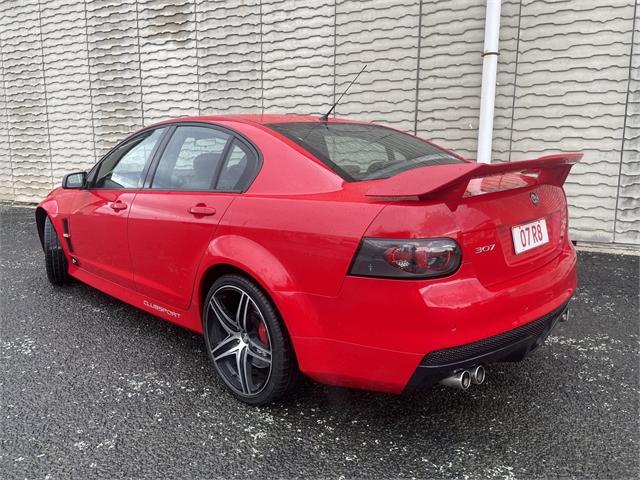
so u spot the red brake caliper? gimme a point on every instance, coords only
(262, 333)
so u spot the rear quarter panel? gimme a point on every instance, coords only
(291, 246)
(313, 240)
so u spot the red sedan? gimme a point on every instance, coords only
(356, 254)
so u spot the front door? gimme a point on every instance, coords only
(98, 220)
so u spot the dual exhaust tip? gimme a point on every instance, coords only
(463, 379)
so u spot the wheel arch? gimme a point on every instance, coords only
(48, 208)
(240, 255)
(218, 270)
(41, 216)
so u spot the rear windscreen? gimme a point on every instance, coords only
(361, 151)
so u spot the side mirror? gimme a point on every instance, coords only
(75, 180)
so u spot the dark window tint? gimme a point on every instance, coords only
(191, 159)
(239, 169)
(123, 167)
(363, 152)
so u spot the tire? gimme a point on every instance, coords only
(55, 259)
(233, 311)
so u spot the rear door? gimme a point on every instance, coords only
(97, 226)
(172, 220)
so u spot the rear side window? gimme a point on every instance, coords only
(363, 152)
(239, 168)
(191, 159)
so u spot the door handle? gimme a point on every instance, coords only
(118, 205)
(202, 210)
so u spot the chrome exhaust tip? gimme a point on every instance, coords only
(460, 380)
(477, 375)
(564, 316)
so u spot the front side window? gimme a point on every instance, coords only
(123, 167)
(362, 151)
(191, 159)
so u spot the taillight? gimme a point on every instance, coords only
(419, 258)
(564, 227)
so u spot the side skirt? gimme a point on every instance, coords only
(184, 318)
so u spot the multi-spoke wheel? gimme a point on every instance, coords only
(246, 341)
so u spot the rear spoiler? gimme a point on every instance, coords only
(449, 182)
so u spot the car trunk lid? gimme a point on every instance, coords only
(486, 203)
(487, 231)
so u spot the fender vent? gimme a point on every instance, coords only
(66, 234)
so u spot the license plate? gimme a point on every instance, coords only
(530, 235)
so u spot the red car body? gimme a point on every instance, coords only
(296, 231)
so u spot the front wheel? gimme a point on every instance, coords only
(54, 257)
(246, 341)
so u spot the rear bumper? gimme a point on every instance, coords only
(511, 346)
(377, 333)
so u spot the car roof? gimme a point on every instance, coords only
(259, 118)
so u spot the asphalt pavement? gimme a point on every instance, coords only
(93, 388)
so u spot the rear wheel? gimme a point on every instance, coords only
(55, 259)
(246, 341)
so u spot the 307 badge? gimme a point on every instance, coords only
(485, 248)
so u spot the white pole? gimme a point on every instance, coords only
(488, 91)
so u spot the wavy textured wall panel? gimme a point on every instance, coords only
(384, 35)
(627, 226)
(66, 70)
(297, 52)
(229, 57)
(26, 94)
(6, 174)
(168, 58)
(451, 73)
(570, 95)
(114, 71)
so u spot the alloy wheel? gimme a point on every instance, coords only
(240, 340)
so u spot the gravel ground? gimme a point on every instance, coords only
(91, 387)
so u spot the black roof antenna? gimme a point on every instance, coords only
(325, 117)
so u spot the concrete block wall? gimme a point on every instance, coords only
(76, 77)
